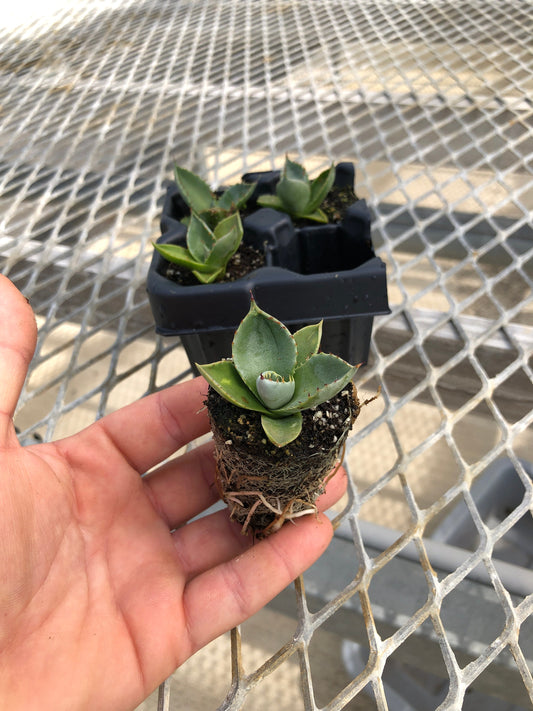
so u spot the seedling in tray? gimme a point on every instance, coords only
(297, 195)
(214, 231)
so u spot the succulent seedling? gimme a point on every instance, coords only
(211, 208)
(277, 374)
(299, 196)
(214, 228)
(208, 251)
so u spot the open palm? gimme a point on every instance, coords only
(104, 590)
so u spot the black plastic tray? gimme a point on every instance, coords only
(327, 272)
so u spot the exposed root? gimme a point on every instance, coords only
(288, 515)
(232, 496)
(246, 523)
(338, 466)
(281, 515)
(265, 486)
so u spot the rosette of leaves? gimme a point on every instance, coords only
(277, 374)
(208, 251)
(299, 196)
(214, 227)
(210, 207)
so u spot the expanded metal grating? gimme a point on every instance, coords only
(429, 578)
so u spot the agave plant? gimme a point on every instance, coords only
(277, 374)
(299, 196)
(208, 251)
(210, 207)
(214, 228)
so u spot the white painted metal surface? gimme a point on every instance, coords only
(433, 102)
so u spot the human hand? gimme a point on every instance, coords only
(104, 590)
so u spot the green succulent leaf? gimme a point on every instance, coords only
(272, 201)
(284, 430)
(200, 239)
(273, 390)
(320, 378)
(208, 277)
(294, 171)
(195, 191)
(277, 374)
(316, 216)
(294, 188)
(224, 378)
(236, 196)
(320, 187)
(228, 234)
(212, 217)
(262, 343)
(181, 256)
(307, 342)
(297, 195)
(229, 225)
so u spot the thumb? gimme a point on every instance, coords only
(18, 335)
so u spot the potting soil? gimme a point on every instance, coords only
(265, 485)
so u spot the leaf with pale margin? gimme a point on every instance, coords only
(272, 201)
(320, 378)
(294, 188)
(320, 187)
(273, 391)
(229, 223)
(236, 196)
(181, 256)
(224, 378)
(307, 342)
(284, 430)
(209, 277)
(262, 343)
(228, 234)
(195, 191)
(294, 171)
(200, 239)
(316, 216)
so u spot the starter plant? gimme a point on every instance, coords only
(280, 412)
(208, 251)
(299, 196)
(214, 227)
(209, 206)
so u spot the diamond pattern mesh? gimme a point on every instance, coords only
(432, 101)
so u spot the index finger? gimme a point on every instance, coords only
(224, 596)
(151, 429)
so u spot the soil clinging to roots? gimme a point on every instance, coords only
(265, 485)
